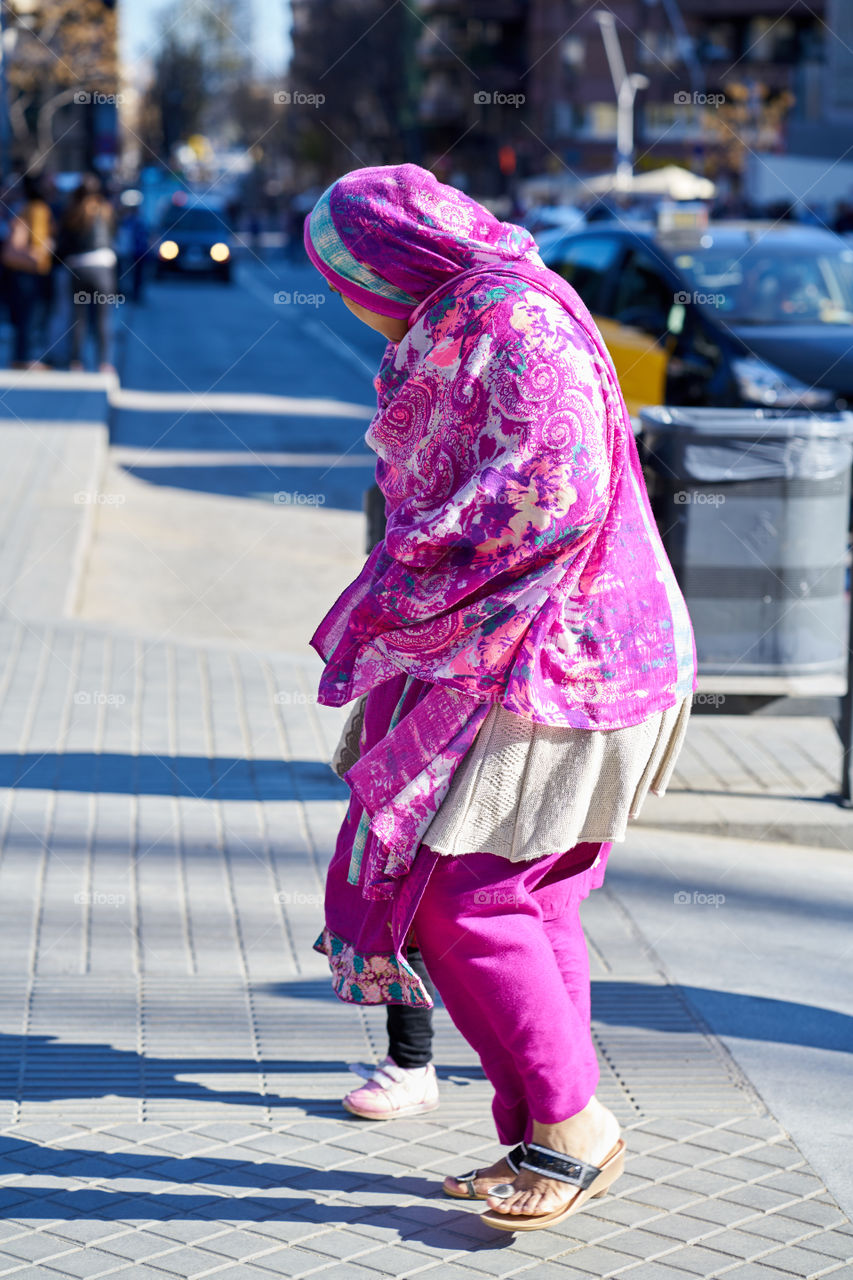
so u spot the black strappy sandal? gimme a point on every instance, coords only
(590, 1181)
(513, 1159)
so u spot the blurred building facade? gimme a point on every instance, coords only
(61, 93)
(490, 90)
(723, 75)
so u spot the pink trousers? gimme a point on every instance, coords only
(504, 945)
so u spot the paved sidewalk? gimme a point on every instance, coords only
(55, 439)
(173, 1058)
(757, 778)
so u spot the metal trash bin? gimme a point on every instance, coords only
(753, 509)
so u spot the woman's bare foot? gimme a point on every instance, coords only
(589, 1136)
(485, 1178)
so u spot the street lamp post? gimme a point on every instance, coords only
(626, 87)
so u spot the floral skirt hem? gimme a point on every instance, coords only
(370, 979)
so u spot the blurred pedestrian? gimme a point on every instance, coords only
(132, 246)
(843, 224)
(27, 258)
(527, 660)
(87, 249)
(295, 219)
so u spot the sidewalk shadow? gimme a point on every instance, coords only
(224, 1190)
(745, 1017)
(47, 1069)
(306, 487)
(200, 777)
(35, 1068)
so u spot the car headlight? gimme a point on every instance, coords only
(168, 250)
(220, 252)
(764, 384)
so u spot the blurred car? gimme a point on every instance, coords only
(730, 314)
(549, 223)
(194, 238)
(558, 217)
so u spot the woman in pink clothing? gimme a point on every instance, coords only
(521, 657)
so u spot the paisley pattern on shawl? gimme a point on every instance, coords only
(521, 559)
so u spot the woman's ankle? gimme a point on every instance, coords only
(582, 1135)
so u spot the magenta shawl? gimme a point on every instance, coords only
(521, 560)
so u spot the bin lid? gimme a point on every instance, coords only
(748, 424)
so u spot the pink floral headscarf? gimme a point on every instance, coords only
(388, 237)
(521, 561)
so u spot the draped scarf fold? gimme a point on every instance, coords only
(521, 561)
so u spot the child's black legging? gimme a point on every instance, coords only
(410, 1030)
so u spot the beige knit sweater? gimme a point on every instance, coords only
(524, 790)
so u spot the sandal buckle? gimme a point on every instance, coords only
(553, 1164)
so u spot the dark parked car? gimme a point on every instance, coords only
(194, 238)
(732, 314)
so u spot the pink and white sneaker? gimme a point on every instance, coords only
(390, 1091)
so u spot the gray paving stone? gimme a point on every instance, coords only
(84, 1264)
(587, 1228)
(239, 1244)
(451, 1271)
(834, 1244)
(779, 1154)
(543, 1245)
(394, 1260)
(11, 1230)
(727, 1140)
(285, 1264)
(183, 1230)
(664, 1197)
(709, 1183)
(672, 1227)
(242, 1271)
(87, 1231)
(489, 1259)
(35, 1247)
(750, 1169)
(700, 1260)
(818, 1213)
(755, 1271)
(724, 1212)
(800, 1261)
(743, 1244)
(138, 1246)
(137, 1271)
(625, 1213)
(188, 1261)
(799, 1182)
(759, 1197)
(777, 1226)
(639, 1244)
(654, 1271)
(656, 1167)
(600, 1261)
(755, 1126)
